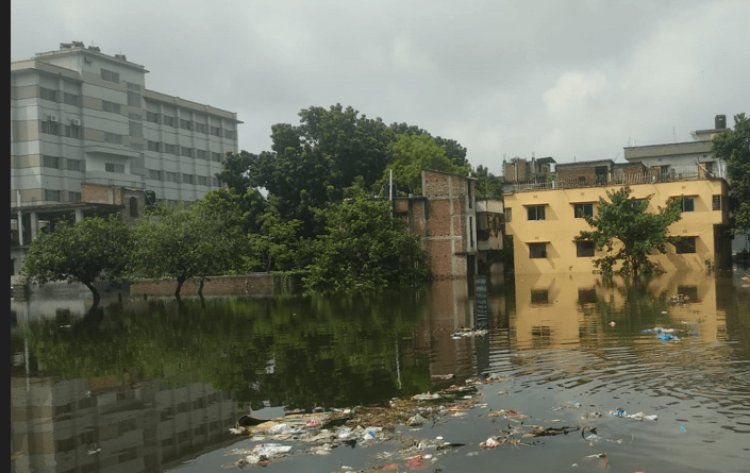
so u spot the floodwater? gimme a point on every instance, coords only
(150, 385)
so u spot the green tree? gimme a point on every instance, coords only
(638, 233)
(276, 247)
(92, 250)
(488, 185)
(733, 146)
(186, 242)
(452, 148)
(311, 163)
(410, 155)
(365, 248)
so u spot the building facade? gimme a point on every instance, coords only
(544, 222)
(682, 160)
(81, 118)
(457, 231)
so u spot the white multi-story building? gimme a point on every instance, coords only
(87, 137)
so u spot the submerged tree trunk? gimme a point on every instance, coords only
(200, 286)
(200, 292)
(180, 282)
(94, 292)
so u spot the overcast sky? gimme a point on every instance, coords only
(571, 79)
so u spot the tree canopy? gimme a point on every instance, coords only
(181, 243)
(365, 247)
(733, 146)
(410, 154)
(91, 250)
(311, 164)
(625, 220)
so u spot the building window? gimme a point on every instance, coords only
(537, 250)
(688, 204)
(201, 128)
(170, 148)
(153, 145)
(685, 245)
(540, 296)
(171, 121)
(216, 130)
(74, 165)
(535, 212)
(111, 107)
(188, 179)
(52, 162)
(72, 99)
(508, 214)
(583, 210)
(216, 156)
(154, 174)
(135, 87)
(110, 76)
(186, 124)
(51, 127)
(112, 138)
(73, 131)
(136, 129)
(134, 99)
(202, 180)
(74, 197)
(48, 94)
(114, 167)
(585, 248)
(716, 202)
(185, 151)
(687, 294)
(53, 195)
(152, 117)
(201, 154)
(587, 296)
(172, 176)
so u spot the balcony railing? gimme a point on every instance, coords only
(618, 179)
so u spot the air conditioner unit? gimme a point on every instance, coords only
(75, 122)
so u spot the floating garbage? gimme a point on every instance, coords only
(425, 397)
(657, 330)
(262, 454)
(467, 332)
(666, 337)
(508, 414)
(637, 416)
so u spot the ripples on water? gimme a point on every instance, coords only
(552, 341)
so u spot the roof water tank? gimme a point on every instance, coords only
(720, 122)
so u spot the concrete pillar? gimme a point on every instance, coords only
(79, 215)
(20, 228)
(34, 223)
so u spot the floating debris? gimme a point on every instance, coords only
(637, 416)
(508, 414)
(467, 332)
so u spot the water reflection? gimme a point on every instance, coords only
(142, 384)
(553, 311)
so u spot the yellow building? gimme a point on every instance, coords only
(544, 221)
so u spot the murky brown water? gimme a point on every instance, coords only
(151, 386)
